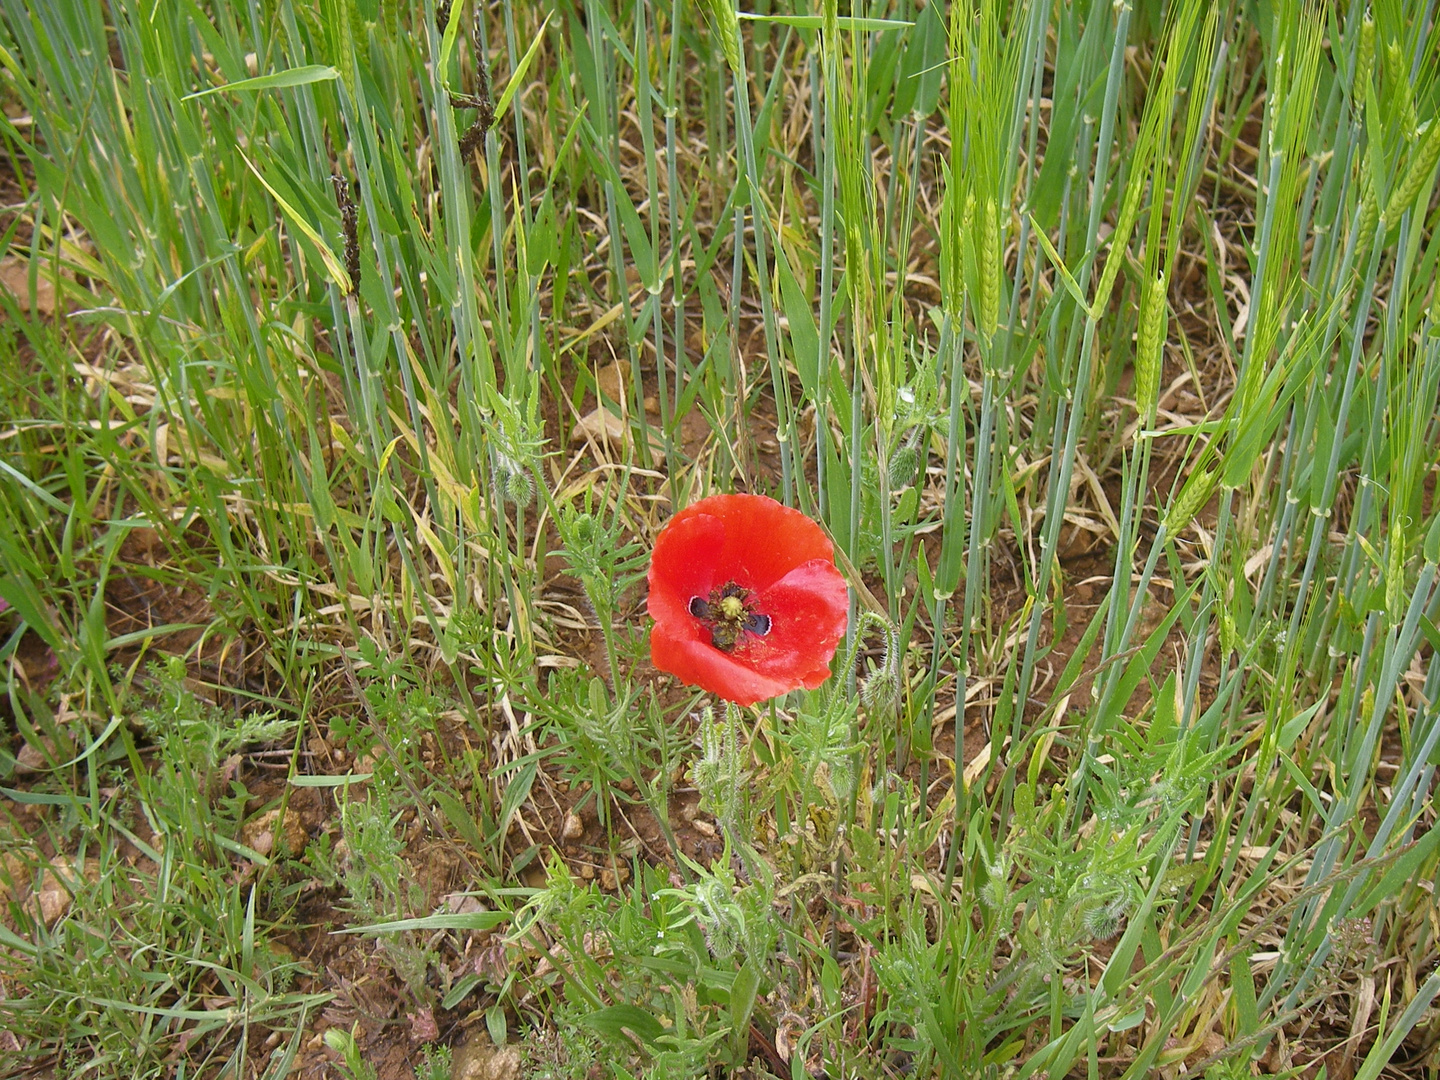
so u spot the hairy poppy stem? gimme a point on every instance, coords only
(867, 621)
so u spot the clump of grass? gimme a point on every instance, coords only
(156, 938)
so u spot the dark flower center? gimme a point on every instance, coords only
(728, 613)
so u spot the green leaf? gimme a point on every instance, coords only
(637, 236)
(469, 920)
(1428, 628)
(1432, 542)
(332, 263)
(19, 590)
(1242, 989)
(460, 991)
(1129, 1020)
(1303, 783)
(115, 722)
(742, 996)
(615, 1020)
(804, 335)
(495, 1024)
(816, 22)
(1383, 1052)
(1293, 727)
(1402, 872)
(1163, 726)
(1139, 665)
(1071, 285)
(329, 781)
(917, 85)
(518, 75)
(460, 819)
(37, 798)
(300, 76)
(516, 792)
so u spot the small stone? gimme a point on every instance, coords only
(53, 899)
(15, 279)
(262, 833)
(599, 426)
(31, 758)
(572, 828)
(704, 828)
(480, 1059)
(610, 379)
(462, 904)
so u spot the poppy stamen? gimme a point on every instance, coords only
(727, 613)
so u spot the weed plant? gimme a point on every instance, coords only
(355, 353)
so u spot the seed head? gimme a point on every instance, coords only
(1150, 342)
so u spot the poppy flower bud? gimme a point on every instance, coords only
(903, 463)
(1104, 922)
(583, 528)
(881, 691)
(511, 480)
(520, 488)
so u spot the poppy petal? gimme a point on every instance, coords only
(807, 609)
(763, 540)
(695, 661)
(684, 565)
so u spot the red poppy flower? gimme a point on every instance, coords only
(746, 599)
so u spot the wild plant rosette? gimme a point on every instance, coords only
(746, 599)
